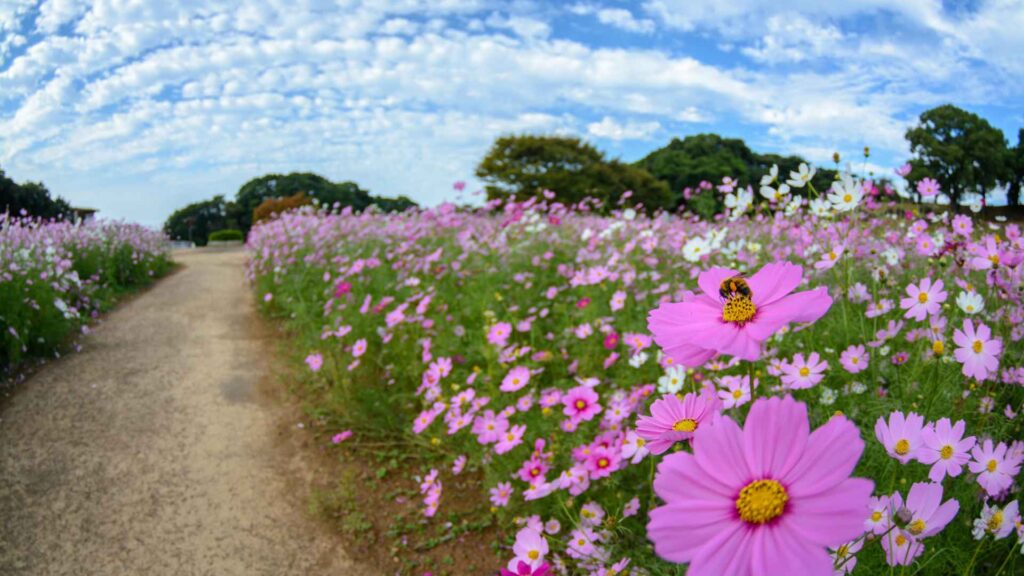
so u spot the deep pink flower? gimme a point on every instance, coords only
(523, 569)
(977, 350)
(601, 462)
(702, 325)
(581, 403)
(673, 420)
(765, 499)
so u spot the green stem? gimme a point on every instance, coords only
(750, 372)
(974, 557)
(1007, 559)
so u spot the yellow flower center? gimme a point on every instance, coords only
(761, 501)
(847, 198)
(876, 516)
(602, 463)
(992, 465)
(739, 309)
(902, 447)
(737, 393)
(843, 551)
(916, 527)
(922, 297)
(946, 452)
(977, 346)
(995, 522)
(805, 371)
(938, 347)
(832, 256)
(685, 425)
(580, 404)
(994, 259)
(533, 554)
(901, 540)
(640, 442)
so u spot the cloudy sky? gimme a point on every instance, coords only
(137, 107)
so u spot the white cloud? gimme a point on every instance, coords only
(615, 17)
(613, 130)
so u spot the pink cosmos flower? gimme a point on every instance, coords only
(523, 569)
(515, 379)
(359, 348)
(510, 439)
(341, 437)
(459, 464)
(994, 467)
(978, 351)
(601, 462)
(765, 499)
(736, 391)
(581, 404)
(901, 436)
(673, 420)
(845, 556)
(924, 515)
(489, 427)
(315, 361)
(802, 373)
(501, 493)
(530, 547)
(702, 325)
(923, 300)
(944, 447)
(829, 259)
(499, 333)
(854, 359)
(928, 187)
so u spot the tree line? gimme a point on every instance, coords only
(959, 150)
(31, 199)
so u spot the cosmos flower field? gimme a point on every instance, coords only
(812, 385)
(55, 276)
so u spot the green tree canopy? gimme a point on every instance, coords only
(196, 221)
(316, 187)
(961, 150)
(526, 165)
(685, 163)
(32, 197)
(1015, 170)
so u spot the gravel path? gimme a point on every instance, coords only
(162, 448)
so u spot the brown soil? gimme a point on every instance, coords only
(165, 447)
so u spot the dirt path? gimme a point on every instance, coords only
(159, 449)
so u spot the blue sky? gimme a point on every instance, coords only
(137, 107)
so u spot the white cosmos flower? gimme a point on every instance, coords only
(821, 208)
(794, 205)
(673, 380)
(771, 176)
(970, 302)
(800, 178)
(638, 360)
(775, 194)
(695, 248)
(628, 214)
(846, 194)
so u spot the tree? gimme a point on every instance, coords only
(961, 150)
(32, 197)
(1015, 171)
(196, 221)
(314, 186)
(526, 165)
(710, 157)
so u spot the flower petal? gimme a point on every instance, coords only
(774, 281)
(774, 436)
(831, 453)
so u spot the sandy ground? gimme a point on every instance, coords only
(163, 447)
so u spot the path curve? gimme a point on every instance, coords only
(160, 449)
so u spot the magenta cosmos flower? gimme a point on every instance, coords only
(672, 419)
(977, 350)
(765, 499)
(581, 403)
(734, 315)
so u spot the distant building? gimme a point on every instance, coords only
(84, 214)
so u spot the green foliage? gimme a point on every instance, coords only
(32, 197)
(196, 221)
(685, 163)
(525, 166)
(227, 236)
(326, 193)
(961, 150)
(1015, 170)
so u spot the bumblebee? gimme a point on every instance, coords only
(736, 285)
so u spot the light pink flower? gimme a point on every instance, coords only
(515, 379)
(923, 300)
(944, 447)
(995, 468)
(702, 325)
(530, 547)
(315, 361)
(854, 359)
(673, 420)
(501, 493)
(977, 350)
(802, 373)
(765, 499)
(901, 435)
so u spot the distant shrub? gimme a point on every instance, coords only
(271, 206)
(226, 236)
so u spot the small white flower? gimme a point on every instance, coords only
(628, 214)
(846, 194)
(800, 178)
(638, 360)
(673, 380)
(828, 396)
(695, 248)
(970, 302)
